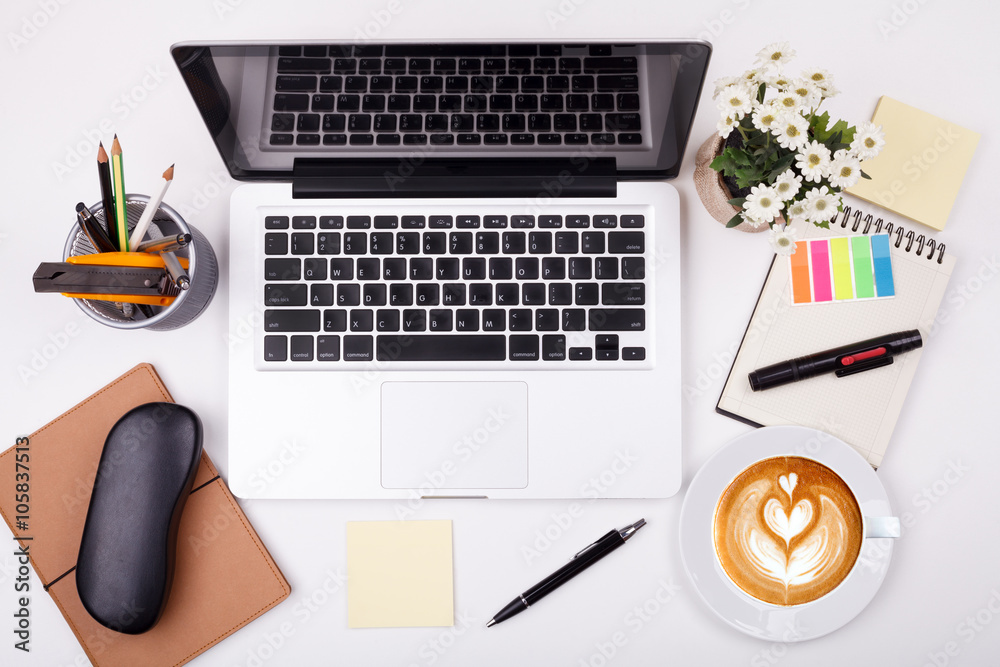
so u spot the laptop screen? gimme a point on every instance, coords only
(268, 106)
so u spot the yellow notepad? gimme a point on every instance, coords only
(399, 574)
(921, 168)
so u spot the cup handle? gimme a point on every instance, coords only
(881, 526)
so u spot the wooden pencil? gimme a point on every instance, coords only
(152, 206)
(107, 194)
(118, 174)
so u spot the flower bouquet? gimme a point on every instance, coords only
(782, 159)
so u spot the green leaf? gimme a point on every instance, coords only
(737, 201)
(834, 134)
(825, 224)
(864, 175)
(733, 221)
(724, 163)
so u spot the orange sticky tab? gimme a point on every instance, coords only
(799, 263)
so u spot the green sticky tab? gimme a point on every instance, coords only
(864, 280)
(840, 256)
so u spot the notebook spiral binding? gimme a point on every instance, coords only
(921, 241)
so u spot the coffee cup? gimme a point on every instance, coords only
(788, 530)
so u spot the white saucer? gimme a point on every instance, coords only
(747, 614)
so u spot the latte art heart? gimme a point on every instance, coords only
(787, 530)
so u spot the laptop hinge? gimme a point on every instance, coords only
(451, 177)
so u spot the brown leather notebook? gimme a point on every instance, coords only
(224, 576)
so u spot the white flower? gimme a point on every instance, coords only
(868, 140)
(783, 240)
(766, 118)
(726, 125)
(787, 102)
(797, 211)
(753, 78)
(792, 133)
(750, 220)
(813, 161)
(735, 99)
(845, 169)
(763, 203)
(821, 204)
(822, 80)
(787, 185)
(776, 54)
(721, 84)
(808, 94)
(779, 81)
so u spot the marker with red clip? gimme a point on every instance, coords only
(842, 361)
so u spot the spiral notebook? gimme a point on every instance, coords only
(860, 409)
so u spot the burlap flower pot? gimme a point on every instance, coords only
(713, 192)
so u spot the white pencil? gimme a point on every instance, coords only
(147, 214)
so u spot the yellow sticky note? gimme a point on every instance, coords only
(920, 169)
(399, 574)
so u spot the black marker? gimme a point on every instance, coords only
(846, 360)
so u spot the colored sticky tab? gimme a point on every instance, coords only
(801, 287)
(883, 265)
(840, 253)
(864, 279)
(819, 255)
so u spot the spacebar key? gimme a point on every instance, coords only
(622, 319)
(441, 348)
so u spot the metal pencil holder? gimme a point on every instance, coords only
(203, 270)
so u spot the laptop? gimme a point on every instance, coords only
(454, 267)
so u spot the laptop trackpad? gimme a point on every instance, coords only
(454, 435)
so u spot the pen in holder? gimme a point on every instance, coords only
(203, 270)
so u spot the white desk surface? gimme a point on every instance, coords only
(94, 63)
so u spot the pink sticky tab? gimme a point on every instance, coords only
(820, 254)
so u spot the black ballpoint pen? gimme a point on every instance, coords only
(580, 562)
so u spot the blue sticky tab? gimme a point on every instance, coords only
(883, 265)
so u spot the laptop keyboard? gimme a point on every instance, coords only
(461, 96)
(433, 289)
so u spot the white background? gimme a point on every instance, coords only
(91, 62)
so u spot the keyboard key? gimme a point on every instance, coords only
(580, 268)
(633, 353)
(519, 319)
(453, 347)
(539, 122)
(546, 319)
(315, 268)
(308, 122)
(462, 122)
(633, 221)
(629, 138)
(307, 140)
(501, 268)
(453, 294)
(358, 348)
(368, 268)
(577, 103)
(328, 348)
(293, 65)
(575, 139)
(285, 295)
(633, 243)
(380, 84)
(580, 353)
(577, 221)
(591, 122)
(494, 65)
(446, 268)
(605, 221)
(355, 243)
(356, 84)
(560, 294)
(431, 84)
(439, 320)
(553, 268)
(428, 294)
(627, 102)
(474, 103)
(341, 269)
(334, 320)
(415, 139)
(289, 50)
(622, 122)
(467, 222)
(275, 243)
(291, 102)
(507, 294)
(282, 139)
(553, 347)
(470, 65)
(526, 268)
(616, 319)
(460, 243)
(494, 319)
(533, 294)
(413, 222)
(606, 268)
(592, 243)
(408, 243)
(602, 102)
(394, 66)
(414, 320)
(283, 122)
(523, 348)
(574, 319)
(387, 320)
(359, 222)
(513, 242)
(282, 269)
(626, 82)
(370, 65)
(623, 294)
(399, 103)
(522, 102)
(583, 84)
(466, 320)
(557, 83)
(613, 64)
(291, 320)
(348, 102)
(359, 122)
(522, 139)
(275, 348)
(348, 294)
(435, 243)
(361, 320)
(602, 138)
(421, 268)
(401, 294)
(394, 268)
(373, 294)
(334, 122)
(549, 139)
(519, 65)
(331, 84)
(384, 122)
(444, 65)
(276, 222)
(345, 65)
(567, 243)
(507, 84)
(545, 65)
(606, 347)
(513, 122)
(586, 294)
(551, 103)
(550, 221)
(480, 294)
(487, 243)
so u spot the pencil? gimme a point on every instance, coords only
(92, 228)
(118, 173)
(151, 207)
(107, 195)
